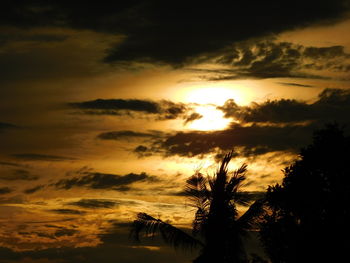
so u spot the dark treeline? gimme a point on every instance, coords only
(303, 219)
(308, 215)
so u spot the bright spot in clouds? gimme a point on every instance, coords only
(212, 119)
(214, 95)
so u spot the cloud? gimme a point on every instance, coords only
(11, 164)
(7, 126)
(192, 117)
(160, 110)
(295, 84)
(332, 105)
(278, 125)
(17, 199)
(67, 211)
(61, 232)
(95, 180)
(270, 59)
(94, 203)
(65, 232)
(5, 190)
(33, 189)
(41, 157)
(248, 140)
(126, 135)
(210, 27)
(19, 174)
(159, 33)
(117, 105)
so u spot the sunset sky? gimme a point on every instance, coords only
(106, 109)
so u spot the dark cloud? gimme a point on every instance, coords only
(5, 190)
(41, 157)
(173, 34)
(65, 232)
(325, 52)
(117, 105)
(126, 135)
(33, 189)
(95, 180)
(37, 234)
(250, 140)
(11, 164)
(19, 174)
(160, 110)
(17, 199)
(269, 59)
(332, 105)
(62, 231)
(66, 211)
(278, 125)
(171, 110)
(144, 151)
(7, 126)
(94, 203)
(192, 117)
(50, 221)
(295, 84)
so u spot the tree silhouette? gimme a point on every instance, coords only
(309, 213)
(217, 229)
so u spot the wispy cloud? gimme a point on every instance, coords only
(41, 157)
(269, 59)
(159, 110)
(19, 174)
(66, 211)
(94, 203)
(5, 190)
(96, 180)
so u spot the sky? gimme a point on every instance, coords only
(106, 109)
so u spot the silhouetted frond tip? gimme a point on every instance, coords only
(170, 234)
(251, 216)
(236, 179)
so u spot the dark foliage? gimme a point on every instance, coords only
(309, 213)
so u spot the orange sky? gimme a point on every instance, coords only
(88, 139)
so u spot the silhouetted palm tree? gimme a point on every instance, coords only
(217, 229)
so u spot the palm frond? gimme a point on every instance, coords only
(196, 190)
(236, 179)
(251, 216)
(200, 221)
(170, 234)
(217, 183)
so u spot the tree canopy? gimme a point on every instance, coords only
(309, 213)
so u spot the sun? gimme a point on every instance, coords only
(212, 119)
(213, 95)
(207, 99)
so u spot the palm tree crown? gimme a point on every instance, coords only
(217, 229)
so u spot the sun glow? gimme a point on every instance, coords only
(212, 119)
(213, 95)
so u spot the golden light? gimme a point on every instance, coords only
(213, 95)
(212, 119)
